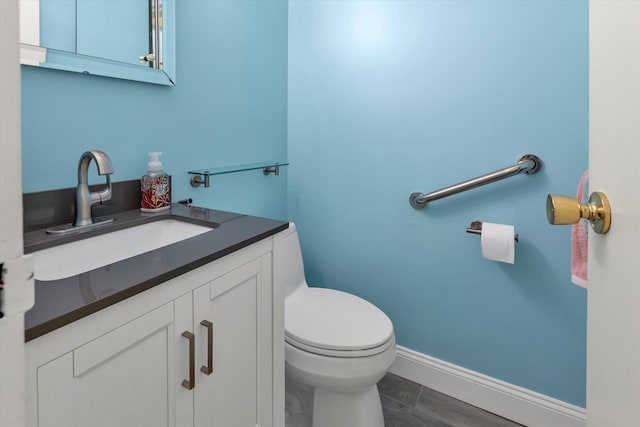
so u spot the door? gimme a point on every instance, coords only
(15, 272)
(123, 378)
(228, 396)
(613, 319)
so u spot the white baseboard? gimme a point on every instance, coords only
(507, 400)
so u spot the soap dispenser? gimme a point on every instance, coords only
(155, 186)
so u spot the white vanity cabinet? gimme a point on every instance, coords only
(129, 365)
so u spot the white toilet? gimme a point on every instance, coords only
(337, 347)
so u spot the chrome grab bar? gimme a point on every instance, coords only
(528, 163)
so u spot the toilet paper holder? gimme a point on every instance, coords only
(476, 228)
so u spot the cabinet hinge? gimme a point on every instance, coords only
(16, 285)
(1, 289)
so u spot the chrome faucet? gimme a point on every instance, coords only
(84, 198)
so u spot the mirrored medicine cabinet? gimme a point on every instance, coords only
(132, 39)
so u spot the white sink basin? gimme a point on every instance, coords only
(77, 257)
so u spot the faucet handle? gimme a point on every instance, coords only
(105, 194)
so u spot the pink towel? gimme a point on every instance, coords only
(579, 241)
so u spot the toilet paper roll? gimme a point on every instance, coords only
(497, 242)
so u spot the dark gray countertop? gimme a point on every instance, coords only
(60, 302)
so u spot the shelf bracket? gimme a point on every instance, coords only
(273, 169)
(198, 180)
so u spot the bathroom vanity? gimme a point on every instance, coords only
(189, 334)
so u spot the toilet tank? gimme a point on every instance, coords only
(288, 269)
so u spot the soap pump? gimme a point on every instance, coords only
(155, 186)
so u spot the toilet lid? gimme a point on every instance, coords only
(334, 320)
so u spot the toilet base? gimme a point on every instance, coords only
(331, 409)
(319, 407)
(298, 404)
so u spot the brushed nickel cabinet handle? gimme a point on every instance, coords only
(191, 382)
(209, 368)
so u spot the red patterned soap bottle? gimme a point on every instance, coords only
(156, 194)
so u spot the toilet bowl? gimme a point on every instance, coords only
(337, 347)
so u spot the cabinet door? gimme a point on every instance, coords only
(228, 396)
(123, 378)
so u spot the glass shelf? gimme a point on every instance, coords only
(267, 168)
(201, 176)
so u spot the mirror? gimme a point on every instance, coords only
(132, 39)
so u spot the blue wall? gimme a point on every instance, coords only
(391, 97)
(228, 107)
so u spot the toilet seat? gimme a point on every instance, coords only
(334, 323)
(340, 353)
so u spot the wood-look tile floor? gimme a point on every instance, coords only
(408, 404)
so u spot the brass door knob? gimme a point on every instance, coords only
(567, 210)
